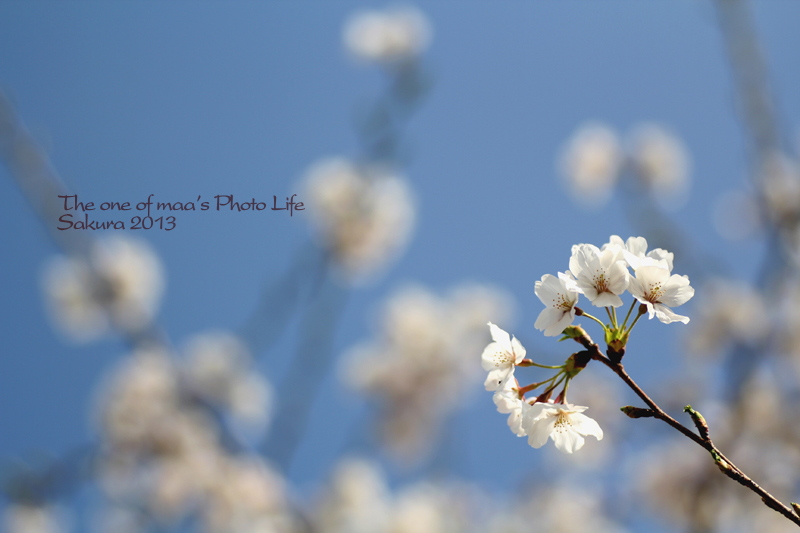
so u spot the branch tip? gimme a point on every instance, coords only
(699, 422)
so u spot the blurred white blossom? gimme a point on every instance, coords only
(249, 497)
(590, 162)
(733, 312)
(421, 364)
(162, 438)
(660, 160)
(593, 161)
(357, 500)
(780, 186)
(119, 284)
(364, 216)
(387, 36)
(557, 507)
(30, 518)
(218, 368)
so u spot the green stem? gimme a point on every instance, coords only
(610, 317)
(537, 365)
(587, 315)
(630, 310)
(557, 383)
(635, 320)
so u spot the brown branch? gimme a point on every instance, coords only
(724, 464)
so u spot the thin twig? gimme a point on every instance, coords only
(725, 465)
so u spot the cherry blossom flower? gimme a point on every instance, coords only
(601, 275)
(655, 287)
(564, 423)
(508, 401)
(559, 294)
(636, 254)
(500, 357)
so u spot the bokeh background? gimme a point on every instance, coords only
(184, 99)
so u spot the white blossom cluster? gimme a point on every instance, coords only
(419, 365)
(594, 159)
(119, 284)
(602, 275)
(161, 424)
(363, 215)
(564, 423)
(389, 36)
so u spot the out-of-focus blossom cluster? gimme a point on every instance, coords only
(167, 447)
(358, 500)
(733, 313)
(775, 204)
(559, 508)
(118, 284)
(419, 366)
(363, 214)
(33, 518)
(593, 161)
(389, 36)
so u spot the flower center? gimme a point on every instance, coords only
(563, 423)
(562, 303)
(502, 358)
(655, 293)
(600, 282)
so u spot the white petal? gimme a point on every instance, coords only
(660, 254)
(568, 441)
(500, 336)
(677, 291)
(618, 277)
(515, 422)
(586, 426)
(556, 329)
(667, 316)
(518, 350)
(548, 289)
(540, 431)
(495, 378)
(637, 246)
(605, 299)
(548, 317)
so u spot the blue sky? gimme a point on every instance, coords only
(185, 99)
